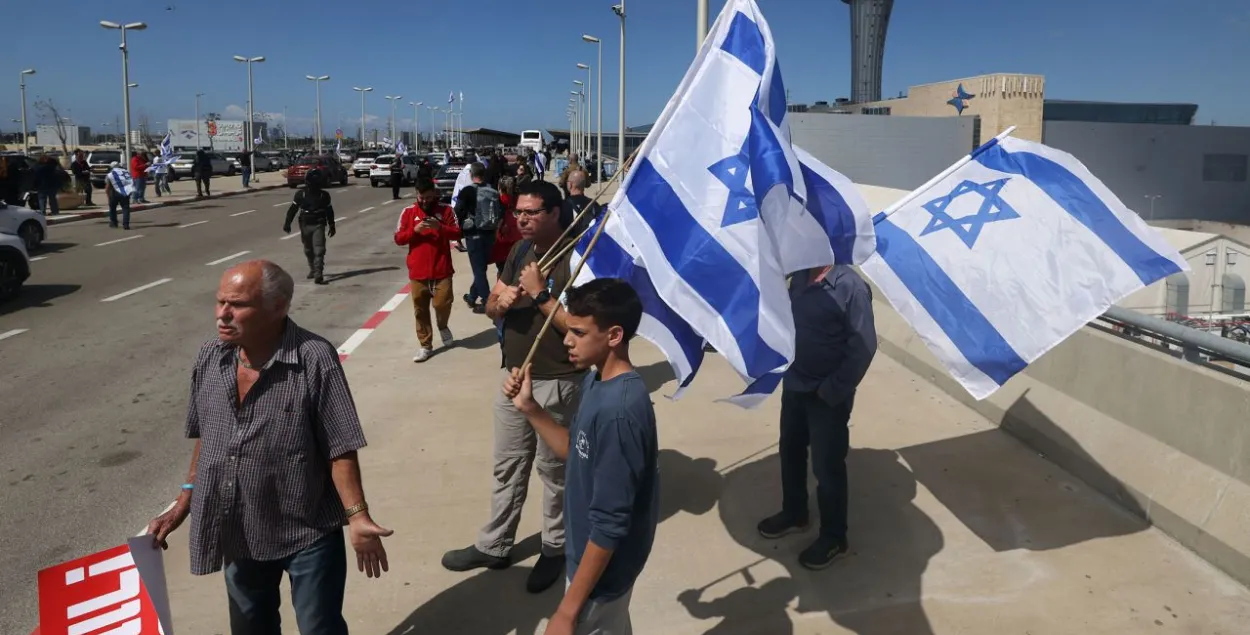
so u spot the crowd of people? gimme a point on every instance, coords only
(570, 406)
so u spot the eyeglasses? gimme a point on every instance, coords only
(528, 212)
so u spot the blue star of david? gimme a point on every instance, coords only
(732, 172)
(993, 209)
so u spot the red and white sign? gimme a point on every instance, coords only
(104, 594)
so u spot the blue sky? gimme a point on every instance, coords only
(515, 60)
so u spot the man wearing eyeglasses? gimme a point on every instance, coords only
(522, 299)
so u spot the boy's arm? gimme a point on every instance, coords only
(594, 562)
(519, 387)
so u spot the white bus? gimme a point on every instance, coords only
(532, 139)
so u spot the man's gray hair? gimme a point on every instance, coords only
(277, 288)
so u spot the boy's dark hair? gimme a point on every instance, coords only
(548, 192)
(425, 185)
(610, 302)
(477, 170)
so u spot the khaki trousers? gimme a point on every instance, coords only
(517, 448)
(423, 292)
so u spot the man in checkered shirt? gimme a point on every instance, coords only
(274, 475)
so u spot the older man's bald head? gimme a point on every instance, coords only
(577, 181)
(274, 285)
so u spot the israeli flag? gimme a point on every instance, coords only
(451, 97)
(338, 147)
(167, 146)
(720, 206)
(540, 163)
(121, 181)
(401, 149)
(1008, 255)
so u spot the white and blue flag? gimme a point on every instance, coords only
(338, 147)
(167, 146)
(1009, 255)
(401, 149)
(451, 97)
(720, 207)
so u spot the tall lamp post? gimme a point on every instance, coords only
(581, 123)
(599, 107)
(589, 99)
(416, 124)
(362, 92)
(21, 83)
(197, 120)
(317, 81)
(132, 26)
(248, 143)
(393, 99)
(700, 27)
(574, 134)
(619, 10)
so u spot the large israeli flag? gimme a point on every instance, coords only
(720, 206)
(1009, 255)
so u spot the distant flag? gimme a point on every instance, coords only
(338, 147)
(1007, 255)
(718, 224)
(451, 97)
(401, 149)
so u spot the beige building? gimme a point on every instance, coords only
(1215, 285)
(1000, 100)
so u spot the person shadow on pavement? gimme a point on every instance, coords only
(874, 590)
(496, 603)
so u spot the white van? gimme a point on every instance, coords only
(532, 139)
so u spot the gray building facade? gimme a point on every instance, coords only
(870, 19)
(1189, 172)
(897, 152)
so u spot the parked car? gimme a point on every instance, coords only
(380, 170)
(186, 162)
(99, 160)
(278, 160)
(260, 163)
(14, 266)
(327, 163)
(25, 223)
(364, 162)
(445, 178)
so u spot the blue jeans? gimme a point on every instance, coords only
(115, 200)
(247, 176)
(48, 200)
(479, 246)
(141, 184)
(318, 575)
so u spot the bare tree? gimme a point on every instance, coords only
(48, 109)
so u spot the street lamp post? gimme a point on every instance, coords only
(575, 139)
(599, 108)
(362, 92)
(589, 99)
(248, 143)
(581, 123)
(317, 81)
(619, 10)
(700, 27)
(393, 99)
(133, 26)
(197, 120)
(416, 124)
(21, 83)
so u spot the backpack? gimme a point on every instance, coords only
(488, 211)
(522, 248)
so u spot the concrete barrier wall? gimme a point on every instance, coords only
(1168, 440)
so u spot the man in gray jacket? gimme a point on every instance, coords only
(834, 342)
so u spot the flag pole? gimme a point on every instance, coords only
(546, 262)
(964, 160)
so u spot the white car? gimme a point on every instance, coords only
(260, 163)
(14, 266)
(380, 170)
(364, 162)
(25, 223)
(186, 162)
(277, 160)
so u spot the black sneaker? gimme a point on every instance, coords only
(781, 524)
(546, 572)
(319, 280)
(467, 300)
(470, 558)
(312, 274)
(822, 553)
(479, 308)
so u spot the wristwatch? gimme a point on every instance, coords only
(542, 297)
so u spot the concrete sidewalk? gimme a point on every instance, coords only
(955, 526)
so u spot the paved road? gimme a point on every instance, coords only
(93, 393)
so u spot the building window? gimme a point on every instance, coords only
(876, 110)
(1228, 168)
(1234, 294)
(976, 132)
(1177, 301)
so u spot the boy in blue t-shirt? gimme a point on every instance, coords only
(611, 490)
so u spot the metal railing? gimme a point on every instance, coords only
(1192, 345)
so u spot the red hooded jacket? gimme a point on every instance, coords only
(429, 250)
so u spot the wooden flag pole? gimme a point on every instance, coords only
(547, 261)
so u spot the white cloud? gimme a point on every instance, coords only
(234, 111)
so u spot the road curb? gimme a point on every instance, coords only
(61, 220)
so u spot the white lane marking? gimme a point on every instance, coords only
(341, 218)
(37, 258)
(198, 222)
(242, 213)
(388, 202)
(355, 340)
(120, 240)
(7, 334)
(364, 210)
(230, 257)
(289, 236)
(137, 290)
(394, 303)
(283, 203)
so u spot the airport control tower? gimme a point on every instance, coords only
(869, 21)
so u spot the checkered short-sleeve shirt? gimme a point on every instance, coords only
(262, 485)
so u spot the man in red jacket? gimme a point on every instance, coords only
(428, 228)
